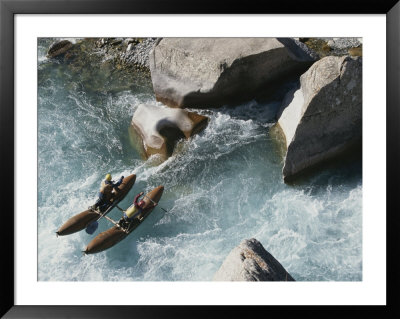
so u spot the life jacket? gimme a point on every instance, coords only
(106, 189)
(132, 210)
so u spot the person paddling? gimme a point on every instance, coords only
(136, 210)
(106, 192)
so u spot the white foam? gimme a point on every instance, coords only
(223, 185)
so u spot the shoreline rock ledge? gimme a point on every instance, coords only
(157, 129)
(212, 72)
(323, 118)
(251, 262)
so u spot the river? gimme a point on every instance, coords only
(221, 186)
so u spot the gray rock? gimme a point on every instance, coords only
(344, 43)
(341, 46)
(323, 117)
(138, 52)
(207, 72)
(251, 262)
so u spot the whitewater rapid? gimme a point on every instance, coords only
(221, 186)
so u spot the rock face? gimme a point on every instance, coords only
(324, 116)
(251, 262)
(58, 48)
(137, 52)
(200, 72)
(159, 128)
(126, 52)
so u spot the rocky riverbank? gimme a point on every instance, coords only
(128, 53)
(334, 46)
(322, 120)
(103, 65)
(211, 72)
(318, 120)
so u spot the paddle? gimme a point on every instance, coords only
(91, 228)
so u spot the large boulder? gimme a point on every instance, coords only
(159, 128)
(251, 262)
(211, 72)
(323, 117)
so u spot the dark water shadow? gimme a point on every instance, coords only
(346, 166)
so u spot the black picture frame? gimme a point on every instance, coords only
(8, 10)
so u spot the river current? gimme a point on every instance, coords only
(221, 186)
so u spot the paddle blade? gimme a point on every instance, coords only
(91, 228)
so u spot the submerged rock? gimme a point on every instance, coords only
(58, 48)
(251, 262)
(160, 128)
(100, 65)
(204, 72)
(323, 117)
(334, 46)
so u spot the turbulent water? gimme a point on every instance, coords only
(222, 186)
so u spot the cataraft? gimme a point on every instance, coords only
(120, 230)
(90, 216)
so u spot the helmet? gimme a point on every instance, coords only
(108, 177)
(142, 203)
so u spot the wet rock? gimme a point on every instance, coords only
(318, 45)
(125, 53)
(116, 41)
(204, 72)
(58, 48)
(334, 46)
(355, 51)
(138, 52)
(323, 117)
(131, 40)
(251, 262)
(159, 128)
